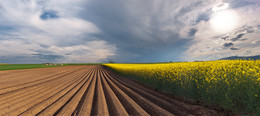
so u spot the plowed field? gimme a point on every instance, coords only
(83, 91)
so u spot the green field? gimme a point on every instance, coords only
(30, 66)
(22, 66)
(83, 63)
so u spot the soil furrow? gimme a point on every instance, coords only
(9, 81)
(99, 103)
(49, 101)
(71, 104)
(34, 99)
(15, 73)
(85, 105)
(46, 79)
(155, 93)
(147, 105)
(35, 76)
(31, 90)
(83, 91)
(131, 106)
(114, 105)
(55, 106)
(158, 101)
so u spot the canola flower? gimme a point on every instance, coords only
(231, 84)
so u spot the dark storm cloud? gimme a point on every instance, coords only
(228, 44)
(224, 37)
(247, 29)
(43, 51)
(250, 30)
(44, 46)
(48, 56)
(233, 48)
(239, 34)
(240, 3)
(27, 59)
(221, 5)
(204, 16)
(237, 37)
(192, 32)
(139, 29)
(68, 54)
(244, 39)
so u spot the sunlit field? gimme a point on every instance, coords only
(231, 84)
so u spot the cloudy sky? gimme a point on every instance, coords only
(37, 31)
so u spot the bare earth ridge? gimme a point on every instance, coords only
(83, 91)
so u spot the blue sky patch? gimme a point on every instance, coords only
(50, 14)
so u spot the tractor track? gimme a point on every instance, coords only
(83, 91)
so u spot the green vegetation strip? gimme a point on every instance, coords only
(24, 66)
(83, 63)
(30, 66)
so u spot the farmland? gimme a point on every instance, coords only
(93, 89)
(23, 66)
(233, 84)
(84, 90)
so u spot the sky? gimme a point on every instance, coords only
(77, 31)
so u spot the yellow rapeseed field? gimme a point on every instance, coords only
(232, 84)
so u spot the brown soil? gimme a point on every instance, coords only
(85, 90)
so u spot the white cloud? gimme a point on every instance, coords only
(153, 25)
(92, 51)
(67, 33)
(19, 47)
(208, 44)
